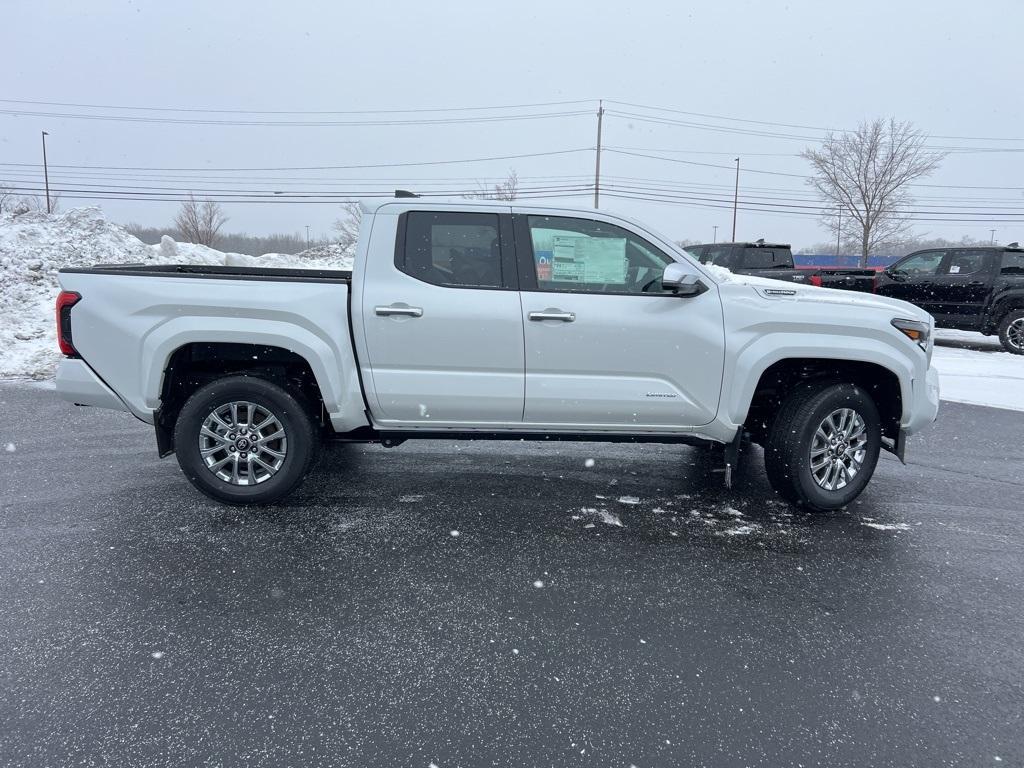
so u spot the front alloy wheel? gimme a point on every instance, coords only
(838, 449)
(823, 444)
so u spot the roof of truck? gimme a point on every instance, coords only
(747, 245)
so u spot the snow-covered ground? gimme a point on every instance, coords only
(33, 246)
(975, 369)
(972, 367)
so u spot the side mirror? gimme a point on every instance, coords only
(682, 282)
(895, 274)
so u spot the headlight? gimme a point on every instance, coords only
(916, 330)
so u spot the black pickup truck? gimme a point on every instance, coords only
(970, 289)
(776, 261)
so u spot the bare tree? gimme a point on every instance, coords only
(505, 190)
(19, 204)
(6, 199)
(200, 221)
(863, 175)
(347, 226)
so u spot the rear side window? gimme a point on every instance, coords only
(767, 258)
(1013, 263)
(717, 255)
(459, 250)
(967, 262)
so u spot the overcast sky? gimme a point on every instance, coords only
(951, 68)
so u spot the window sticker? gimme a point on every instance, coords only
(954, 269)
(597, 260)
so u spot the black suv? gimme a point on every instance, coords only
(968, 288)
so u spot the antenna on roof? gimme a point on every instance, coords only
(1014, 244)
(760, 241)
(405, 193)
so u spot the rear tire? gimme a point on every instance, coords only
(823, 445)
(1011, 332)
(245, 440)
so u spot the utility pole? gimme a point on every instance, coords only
(46, 173)
(307, 237)
(992, 240)
(735, 199)
(714, 238)
(839, 229)
(597, 159)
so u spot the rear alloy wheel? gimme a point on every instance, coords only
(243, 443)
(244, 440)
(823, 445)
(1011, 332)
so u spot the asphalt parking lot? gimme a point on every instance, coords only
(493, 604)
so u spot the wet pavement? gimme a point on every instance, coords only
(479, 604)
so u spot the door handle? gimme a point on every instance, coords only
(553, 314)
(399, 311)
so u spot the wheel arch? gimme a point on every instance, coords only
(1004, 305)
(778, 378)
(193, 364)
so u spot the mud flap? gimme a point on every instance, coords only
(732, 456)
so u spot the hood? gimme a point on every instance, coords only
(801, 292)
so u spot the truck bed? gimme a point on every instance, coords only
(132, 318)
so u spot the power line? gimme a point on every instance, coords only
(312, 167)
(299, 112)
(291, 123)
(824, 129)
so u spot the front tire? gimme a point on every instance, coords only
(245, 440)
(1011, 332)
(823, 445)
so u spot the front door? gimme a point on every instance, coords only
(913, 279)
(606, 347)
(442, 320)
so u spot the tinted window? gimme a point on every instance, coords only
(1013, 263)
(967, 262)
(767, 258)
(453, 249)
(592, 256)
(921, 264)
(717, 255)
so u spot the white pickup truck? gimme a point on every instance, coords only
(477, 320)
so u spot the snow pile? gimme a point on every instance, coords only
(331, 253)
(33, 246)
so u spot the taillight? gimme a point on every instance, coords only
(816, 280)
(65, 301)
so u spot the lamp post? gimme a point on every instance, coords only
(46, 173)
(735, 199)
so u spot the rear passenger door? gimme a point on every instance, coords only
(962, 287)
(442, 323)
